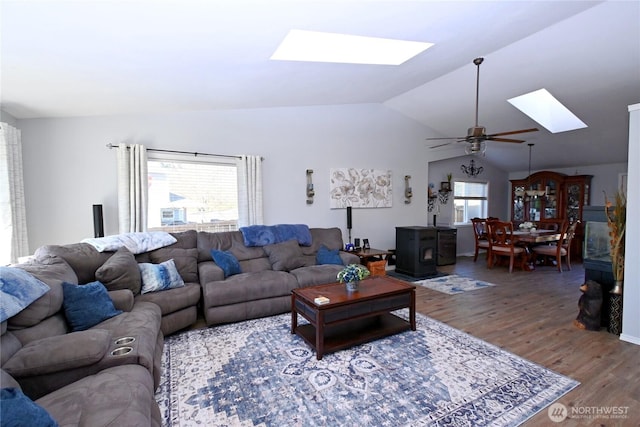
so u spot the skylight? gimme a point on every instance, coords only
(313, 46)
(542, 107)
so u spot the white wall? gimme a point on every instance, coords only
(631, 289)
(8, 118)
(68, 167)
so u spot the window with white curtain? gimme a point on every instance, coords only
(470, 200)
(187, 193)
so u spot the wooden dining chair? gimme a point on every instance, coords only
(561, 248)
(481, 236)
(502, 244)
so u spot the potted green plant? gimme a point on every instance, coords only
(351, 276)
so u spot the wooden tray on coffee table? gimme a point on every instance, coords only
(352, 318)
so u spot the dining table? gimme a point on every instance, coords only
(537, 236)
(530, 238)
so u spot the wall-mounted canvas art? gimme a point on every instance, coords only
(360, 188)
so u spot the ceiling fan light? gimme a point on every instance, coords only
(476, 147)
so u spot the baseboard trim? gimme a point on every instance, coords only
(630, 338)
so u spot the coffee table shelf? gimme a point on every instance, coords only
(352, 318)
(344, 336)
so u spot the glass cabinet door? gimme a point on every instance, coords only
(573, 202)
(550, 199)
(518, 203)
(576, 194)
(535, 208)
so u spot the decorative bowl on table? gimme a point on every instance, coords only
(526, 226)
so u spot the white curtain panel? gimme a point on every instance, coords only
(250, 191)
(14, 242)
(133, 188)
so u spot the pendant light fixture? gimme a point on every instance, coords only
(531, 192)
(472, 171)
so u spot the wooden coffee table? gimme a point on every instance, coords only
(352, 318)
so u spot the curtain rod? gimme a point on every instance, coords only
(194, 153)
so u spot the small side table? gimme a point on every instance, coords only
(374, 259)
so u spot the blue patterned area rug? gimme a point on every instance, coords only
(453, 284)
(255, 373)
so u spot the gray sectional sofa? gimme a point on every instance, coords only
(269, 274)
(63, 371)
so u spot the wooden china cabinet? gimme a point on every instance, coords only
(560, 197)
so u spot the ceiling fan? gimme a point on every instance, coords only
(477, 135)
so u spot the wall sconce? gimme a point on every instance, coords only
(445, 191)
(310, 192)
(408, 194)
(432, 196)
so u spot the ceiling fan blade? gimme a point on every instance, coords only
(513, 132)
(442, 145)
(506, 140)
(435, 139)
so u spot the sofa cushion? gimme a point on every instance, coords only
(87, 305)
(227, 262)
(316, 274)
(18, 289)
(172, 300)
(118, 396)
(16, 409)
(51, 270)
(123, 299)
(120, 272)
(59, 353)
(159, 277)
(285, 256)
(245, 287)
(231, 241)
(7, 380)
(83, 258)
(327, 256)
(185, 239)
(186, 261)
(329, 237)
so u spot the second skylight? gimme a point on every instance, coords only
(545, 109)
(313, 46)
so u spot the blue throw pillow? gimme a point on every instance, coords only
(226, 261)
(160, 277)
(18, 289)
(327, 256)
(87, 305)
(16, 409)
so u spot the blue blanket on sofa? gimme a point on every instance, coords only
(263, 235)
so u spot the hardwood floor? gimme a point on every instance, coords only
(531, 314)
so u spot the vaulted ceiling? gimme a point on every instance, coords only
(70, 58)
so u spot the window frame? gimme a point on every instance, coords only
(205, 159)
(481, 198)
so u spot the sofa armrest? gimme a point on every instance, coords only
(59, 353)
(122, 299)
(349, 258)
(209, 271)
